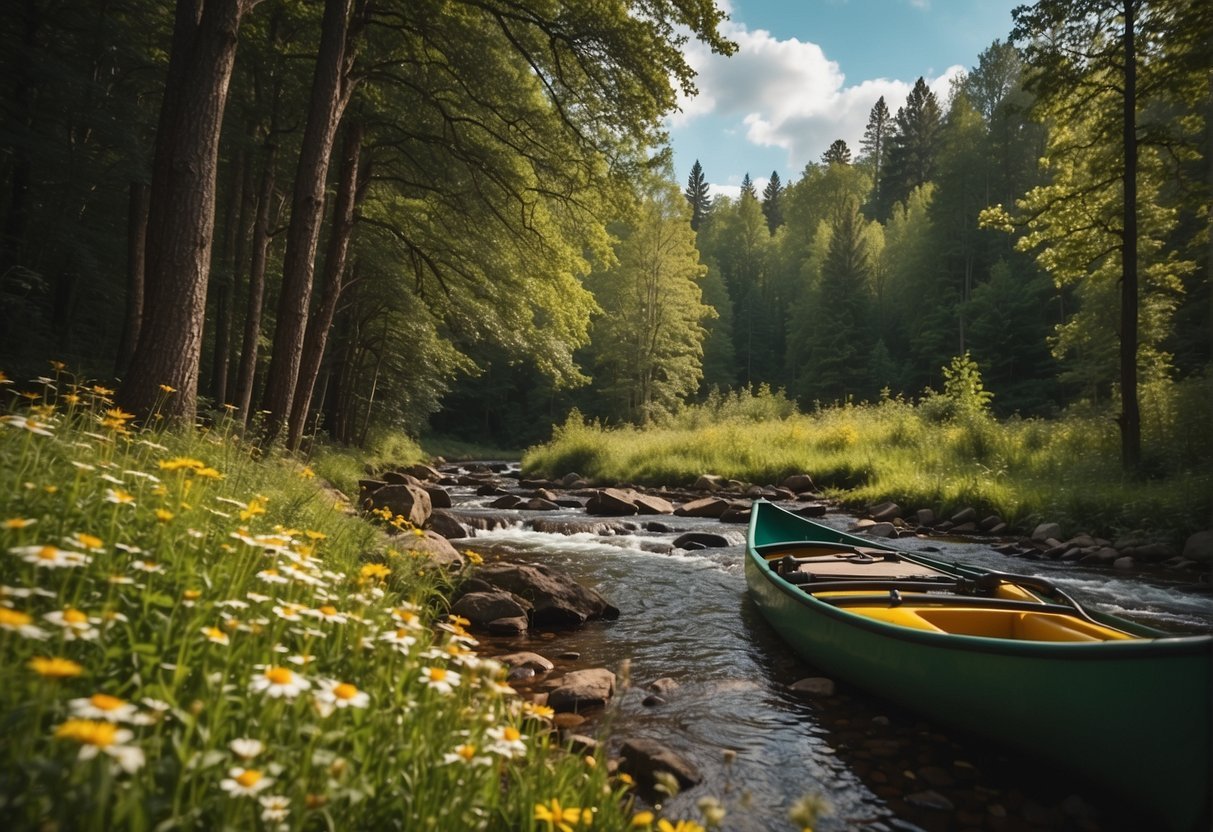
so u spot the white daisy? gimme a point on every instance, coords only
(278, 682)
(245, 782)
(439, 679)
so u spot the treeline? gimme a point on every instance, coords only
(346, 215)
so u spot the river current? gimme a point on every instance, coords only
(686, 616)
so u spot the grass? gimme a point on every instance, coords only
(195, 636)
(919, 455)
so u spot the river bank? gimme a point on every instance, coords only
(732, 709)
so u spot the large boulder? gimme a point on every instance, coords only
(705, 507)
(612, 502)
(582, 689)
(1199, 547)
(701, 540)
(708, 482)
(433, 546)
(1046, 531)
(557, 600)
(439, 496)
(408, 501)
(443, 523)
(481, 608)
(798, 484)
(650, 504)
(423, 472)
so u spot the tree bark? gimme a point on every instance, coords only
(334, 271)
(330, 93)
(136, 243)
(182, 208)
(224, 280)
(1130, 414)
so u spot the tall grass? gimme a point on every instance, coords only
(921, 455)
(192, 636)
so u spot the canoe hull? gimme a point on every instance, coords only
(1132, 715)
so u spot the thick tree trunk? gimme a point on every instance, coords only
(1130, 414)
(136, 244)
(182, 207)
(334, 272)
(246, 374)
(330, 93)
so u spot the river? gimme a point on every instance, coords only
(760, 747)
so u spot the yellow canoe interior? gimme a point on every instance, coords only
(938, 612)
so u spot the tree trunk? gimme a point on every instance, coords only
(1130, 414)
(182, 207)
(330, 93)
(136, 244)
(334, 271)
(225, 280)
(256, 287)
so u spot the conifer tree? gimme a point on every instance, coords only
(875, 144)
(772, 206)
(747, 187)
(914, 144)
(697, 195)
(837, 153)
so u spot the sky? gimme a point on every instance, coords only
(807, 72)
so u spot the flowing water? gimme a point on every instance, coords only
(761, 747)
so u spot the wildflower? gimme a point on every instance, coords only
(440, 679)
(642, 819)
(272, 576)
(164, 388)
(5, 379)
(179, 463)
(474, 558)
(86, 541)
(407, 616)
(15, 523)
(147, 566)
(216, 636)
(455, 652)
(557, 816)
(342, 694)
(21, 623)
(106, 707)
(50, 557)
(713, 810)
(189, 596)
(26, 423)
(245, 782)
(279, 682)
(55, 667)
(119, 497)
(97, 737)
(507, 741)
(208, 473)
(255, 507)
(399, 638)
(314, 535)
(290, 612)
(274, 808)
(307, 473)
(664, 825)
(374, 572)
(163, 515)
(246, 748)
(329, 613)
(466, 754)
(537, 711)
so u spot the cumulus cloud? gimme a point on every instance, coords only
(788, 94)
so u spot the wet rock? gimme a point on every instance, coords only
(702, 540)
(1199, 547)
(582, 689)
(659, 528)
(936, 776)
(573, 480)
(1150, 552)
(708, 482)
(520, 675)
(581, 743)
(557, 600)
(798, 484)
(884, 511)
(736, 514)
(423, 472)
(643, 758)
(569, 656)
(650, 504)
(965, 515)
(441, 522)
(1124, 562)
(705, 507)
(491, 490)
(482, 607)
(813, 686)
(510, 626)
(367, 488)
(924, 517)
(568, 720)
(439, 497)
(524, 658)
(663, 685)
(612, 502)
(538, 504)
(481, 520)
(400, 478)
(881, 530)
(558, 525)
(812, 510)
(1045, 531)
(652, 701)
(930, 799)
(988, 524)
(506, 502)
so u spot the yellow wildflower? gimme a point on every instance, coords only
(557, 816)
(55, 667)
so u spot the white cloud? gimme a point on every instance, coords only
(788, 94)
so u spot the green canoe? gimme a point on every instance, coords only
(1008, 657)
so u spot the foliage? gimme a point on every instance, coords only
(193, 636)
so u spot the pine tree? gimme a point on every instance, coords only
(914, 144)
(875, 144)
(837, 153)
(697, 195)
(747, 187)
(772, 206)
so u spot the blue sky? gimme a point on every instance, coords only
(807, 72)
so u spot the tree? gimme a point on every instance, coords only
(697, 195)
(875, 145)
(181, 207)
(837, 153)
(772, 206)
(747, 187)
(1096, 64)
(913, 144)
(648, 343)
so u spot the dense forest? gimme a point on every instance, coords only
(460, 216)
